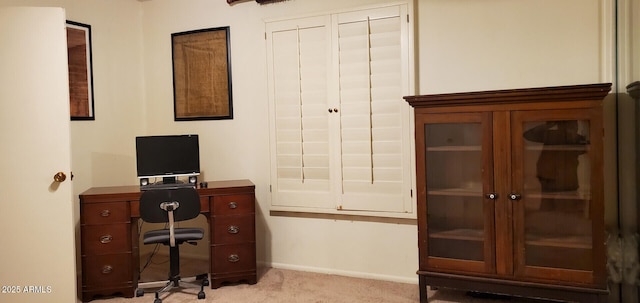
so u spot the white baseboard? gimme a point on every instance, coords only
(346, 273)
(322, 270)
(182, 255)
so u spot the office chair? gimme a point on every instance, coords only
(169, 206)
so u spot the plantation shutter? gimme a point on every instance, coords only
(301, 170)
(373, 117)
(340, 133)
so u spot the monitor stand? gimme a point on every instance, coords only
(169, 180)
(166, 183)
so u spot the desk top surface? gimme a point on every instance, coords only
(212, 188)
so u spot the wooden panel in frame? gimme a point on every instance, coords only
(80, 71)
(202, 75)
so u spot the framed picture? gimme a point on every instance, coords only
(202, 75)
(80, 71)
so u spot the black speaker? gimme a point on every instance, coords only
(144, 181)
(193, 180)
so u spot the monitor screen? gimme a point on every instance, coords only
(167, 156)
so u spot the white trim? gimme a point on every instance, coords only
(345, 273)
(624, 46)
(409, 214)
(186, 255)
(341, 10)
(607, 41)
(328, 196)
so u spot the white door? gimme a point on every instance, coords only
(37, 258)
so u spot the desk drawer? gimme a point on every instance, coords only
(106, 270)
(104, 239)
(233, 258)
(233, 205)
(104, 213)
(135, 206)
(233, 229)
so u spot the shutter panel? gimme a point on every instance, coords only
(375, 160)
(356, 157)
(298, 69)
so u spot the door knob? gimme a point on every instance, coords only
(59, 177)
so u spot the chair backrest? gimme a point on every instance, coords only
(151, 211)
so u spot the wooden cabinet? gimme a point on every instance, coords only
(109, 236)
(510, 192)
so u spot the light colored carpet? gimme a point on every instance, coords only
(284, 286)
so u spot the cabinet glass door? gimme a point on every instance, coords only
(553, 160)
(454, 159)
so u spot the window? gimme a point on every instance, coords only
(340, 128)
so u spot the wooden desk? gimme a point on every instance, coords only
(109, 236)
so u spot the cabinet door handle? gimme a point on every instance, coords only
(105, 213)
(233, 229)
(233, 258)
(492, 196)
(233, 205)
(106, 239)
(107, 269)
(514, 197)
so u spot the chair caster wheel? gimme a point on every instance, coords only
(200, 295)
(157, 300)
(139, 292)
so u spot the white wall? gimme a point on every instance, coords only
(501, 44)
(462, 45)
(239, 148)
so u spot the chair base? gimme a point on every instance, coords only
(175, 282)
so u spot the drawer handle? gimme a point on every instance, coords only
(106, 239)
(233, 258)
(233, 229)
(105, 213)
(107, 269)
(233, 205)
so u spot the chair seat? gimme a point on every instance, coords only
(180, 234)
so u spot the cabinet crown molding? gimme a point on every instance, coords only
(538, 94)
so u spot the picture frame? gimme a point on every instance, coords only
(80, 56)
(202, 75)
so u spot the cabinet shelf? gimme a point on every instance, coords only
(566, 147)
(458, 192)
(459, 234)
(581, 242)
(454, 148)
(561, 195)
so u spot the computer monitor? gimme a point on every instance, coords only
(167, 157)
